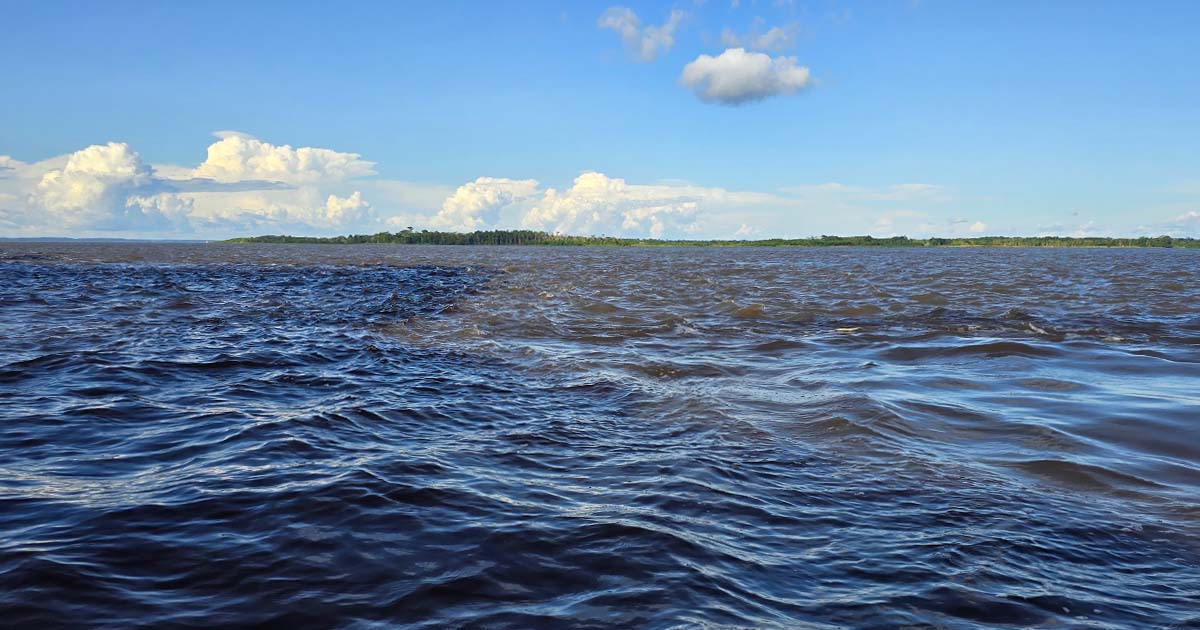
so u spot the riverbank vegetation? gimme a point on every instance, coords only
(530, 237)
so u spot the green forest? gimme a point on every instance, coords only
(530, 237)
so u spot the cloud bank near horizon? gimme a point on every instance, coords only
(246, 186)
(243, 184)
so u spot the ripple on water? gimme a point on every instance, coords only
(202, 435)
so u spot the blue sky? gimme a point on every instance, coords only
(708, 119)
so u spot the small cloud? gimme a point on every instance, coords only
(736, 77)
(921, 224)
(1184, 224)
(775, 39)
(644, 43)
(744, 231)
(1081, 230)
(1189, 218)
(894, 222)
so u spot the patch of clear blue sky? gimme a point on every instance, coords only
(1039, 106)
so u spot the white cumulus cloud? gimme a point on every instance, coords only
(268, 189)
(105, 187)
(644, 43)
(346, 210)
(599, 204)
(238, 157)
(244, 184)
(736, 76)
(305, 209)
(91, 175)
(476, 205)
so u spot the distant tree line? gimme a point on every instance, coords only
(531, 237)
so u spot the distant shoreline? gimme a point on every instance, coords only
(527, 238)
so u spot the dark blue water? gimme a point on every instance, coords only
(202, 435)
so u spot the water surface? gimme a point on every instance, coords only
(361, 436)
